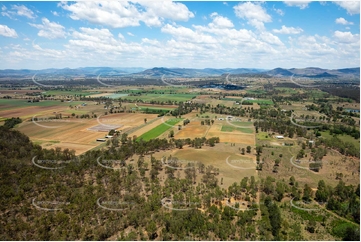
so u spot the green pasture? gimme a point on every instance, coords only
(160, 129)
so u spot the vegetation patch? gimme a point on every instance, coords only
(160, 129)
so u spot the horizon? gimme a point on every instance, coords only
(131, 67)
(202, 34)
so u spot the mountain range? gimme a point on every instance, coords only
(311, 72)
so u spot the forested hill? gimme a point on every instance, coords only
(77, 199)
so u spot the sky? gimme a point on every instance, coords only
(186, 34)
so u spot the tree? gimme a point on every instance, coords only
(249, 149)
(307, 193)
(145, 120)
(292, 180)
(243, 151)
(171, 134)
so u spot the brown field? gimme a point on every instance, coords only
(232, 137)
(128, 120)
(217, 156)
(192, 130)
(74, 133)
(29, 112)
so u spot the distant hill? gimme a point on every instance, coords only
(315, 72)
(311, 72)
(189, 72)
(82, 71)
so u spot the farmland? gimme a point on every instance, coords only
(160, 129)
(201, 138)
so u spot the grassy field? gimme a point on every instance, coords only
(239, 123)
(262, 101)
(228, 128)
(256, 91)
(160, 129)
(344, 138)
(162, 97)
(8, 104)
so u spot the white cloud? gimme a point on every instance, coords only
(300, 4)
(343, 21)
(7, 32)
(351, 7)
(55, 13)
(120, 36)
(165, 10)
(287, 30)
(126, 14)
(50, 30)
(254, 13)
(279, 11)
(21, 10)
(270, 38)
(346, 37)
(188, 35)
(220, 21)
(130, 34)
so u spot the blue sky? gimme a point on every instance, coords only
(196, 34)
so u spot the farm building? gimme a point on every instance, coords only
(101, 140)
(280, 137)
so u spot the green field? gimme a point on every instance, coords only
(228, 128)
(286, 90)
(263, 136)
(262, 101)
(117, 95)
(162, 97)
(239, 123)
(160, 129)
(344, 138)
(256, 91)
(8, 104)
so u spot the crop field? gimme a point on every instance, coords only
(23, 109)
(229, 128)
(74, 134)
(232, 137)
(192, 130)
(160, 129)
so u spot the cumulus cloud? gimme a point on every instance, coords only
(343, 21)
(351, 7)
(127, 14)
(254, 13)
(287, 30)
(220, 21)
(346, 37)
(300, 4)
(18, 10)
(50, 30)
(187, 34)
(7, 32)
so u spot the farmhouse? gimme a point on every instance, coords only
(280, 137)
(221, 119)
(101, 140)
(109, 136)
